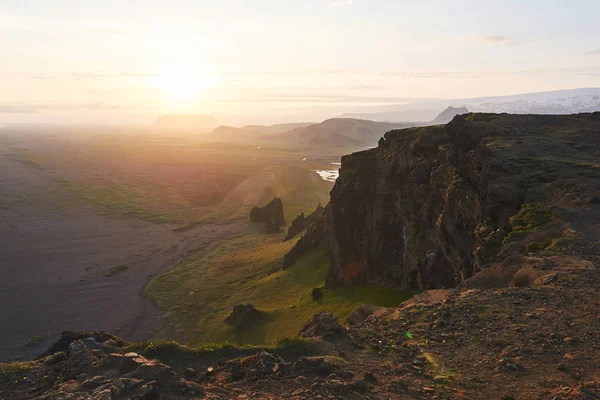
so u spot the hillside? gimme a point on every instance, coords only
(338, 132)
(277, 128)
(495, 217)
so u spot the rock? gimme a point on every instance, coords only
(190, 372)
(317, 293)
(271, 215)
(130, 362)
(243, 316)
(80, 359)
(360, 385)
(151, 370)
(300, 223)
(148, 391)
(55, 358)
(324, 325)
(369, 377)
(68, 337)
(362, 313)
(94, 382)
(325, 368)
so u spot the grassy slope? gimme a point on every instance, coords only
(201, 291)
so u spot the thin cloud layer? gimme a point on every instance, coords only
(498, 39)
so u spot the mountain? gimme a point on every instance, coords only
(448, 115)
(338, 132)
(201, 123)
(571, 101)
(275, 129)
(399, 114)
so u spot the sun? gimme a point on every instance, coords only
(183, 81)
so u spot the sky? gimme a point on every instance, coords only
(266, 61)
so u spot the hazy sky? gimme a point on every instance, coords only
(132, 60)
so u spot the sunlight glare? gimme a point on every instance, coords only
(182, 82)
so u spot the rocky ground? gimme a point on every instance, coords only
(539, 341)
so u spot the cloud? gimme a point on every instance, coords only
(363, 86)
(41, 77)
(339, 3)
(593, 53)
(498, 39)
(40, 108)
(429, 74)
(110, 76)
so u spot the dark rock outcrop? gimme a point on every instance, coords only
(243, 316)
(271, 215)
(301, 222)
(430, 207)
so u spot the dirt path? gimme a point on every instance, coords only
(54, 257)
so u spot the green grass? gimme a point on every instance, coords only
(530, 218)
(14, 369)
(25, 157)
(116, 269)
(201, 291)
(122, 200)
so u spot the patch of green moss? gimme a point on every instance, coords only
(515, 236)
(535, 247)
(116, 269)
(530, 217)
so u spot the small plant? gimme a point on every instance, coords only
(559, 243)
(116, 269)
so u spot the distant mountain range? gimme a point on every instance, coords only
(365, 129)
(554, 102)
(338, 132)
(331, 133)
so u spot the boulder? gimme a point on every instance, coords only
(80, 359)
(325, 326)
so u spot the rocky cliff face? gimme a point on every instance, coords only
(429, 207)
(300, 223)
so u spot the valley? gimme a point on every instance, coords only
(147, 236)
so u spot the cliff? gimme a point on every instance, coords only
(430, 207)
